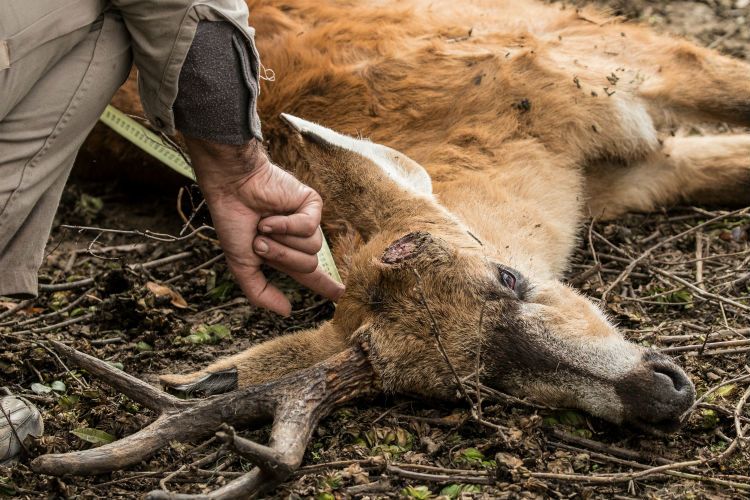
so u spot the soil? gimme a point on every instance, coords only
(120, 320)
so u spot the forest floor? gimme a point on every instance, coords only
(678, 298)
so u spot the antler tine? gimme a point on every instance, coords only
(194, 420)
(306, 397)
(134, 388)
(127, 451)
(269, 460)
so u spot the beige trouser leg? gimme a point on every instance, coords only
(49, 102)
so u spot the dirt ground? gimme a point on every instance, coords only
(119, 319)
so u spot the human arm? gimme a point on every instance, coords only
(200, 58)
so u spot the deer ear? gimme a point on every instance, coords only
(405, 248)
(397, 166)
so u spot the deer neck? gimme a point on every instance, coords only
(529, 217)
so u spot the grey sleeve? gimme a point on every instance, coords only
(218, 87)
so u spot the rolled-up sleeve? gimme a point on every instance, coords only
(162, 33)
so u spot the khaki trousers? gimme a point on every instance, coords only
(50, 100)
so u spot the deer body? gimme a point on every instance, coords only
(508, 122)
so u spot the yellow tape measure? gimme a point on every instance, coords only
(154, 145)
(146, 140)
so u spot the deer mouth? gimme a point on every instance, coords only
(660, 428)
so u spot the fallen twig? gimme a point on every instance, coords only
(631, 266)
(440, 478)
(145, 233)
(476, 415)
(700, 347)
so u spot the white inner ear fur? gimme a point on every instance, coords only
(397, 166)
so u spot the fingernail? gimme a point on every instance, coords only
(265, 229)
(261, 246)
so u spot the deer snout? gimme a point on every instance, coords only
(655, 394)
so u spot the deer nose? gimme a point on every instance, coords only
(672, 378)
(656, 393)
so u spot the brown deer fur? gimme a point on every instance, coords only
(526, 118)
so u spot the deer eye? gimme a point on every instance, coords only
(508, 279)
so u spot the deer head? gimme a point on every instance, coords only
(422, 272)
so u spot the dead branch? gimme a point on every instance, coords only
(672, 339)
(56, 326)
(137, 232)
(189, 272)
(57, 287)
(636, 465)
(631, 266)
(59, 312)
(454, 476)
(701, 347)
(715, 388)
(61, 287)
(698, 291)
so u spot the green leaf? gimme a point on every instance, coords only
(77, 312)
(58, 386)
(144, 346)
(332, 481)
(198, 338)
(7, 488)
(723, 391)
(38, 388)
(90, 204)
(94, 436)
(550, 421)
(205, 334)
(221, 292)
(710, 419)
(221, 332)
(418, 492)
(68, 402)
(117, 365)
(455, 490)
(471, 455)
(325, 496)
(451, 491)
(584, 433)
(571, 418)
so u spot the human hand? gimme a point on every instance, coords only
(262, 214)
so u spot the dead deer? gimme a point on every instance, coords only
(506, 123)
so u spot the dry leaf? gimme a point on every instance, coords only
(25, 311)
(164, 291)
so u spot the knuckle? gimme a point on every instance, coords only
(310, 265)
(317, 241)
(276, 252)
(309, 227)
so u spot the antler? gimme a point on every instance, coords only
(296, 402)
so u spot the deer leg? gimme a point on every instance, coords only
(297, 402)
(697, 82)
(261, 363)
(712, 170)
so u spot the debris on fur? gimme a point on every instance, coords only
(389, 447)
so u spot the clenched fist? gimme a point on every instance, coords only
(262, 214)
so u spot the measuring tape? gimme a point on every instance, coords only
(155, 145)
